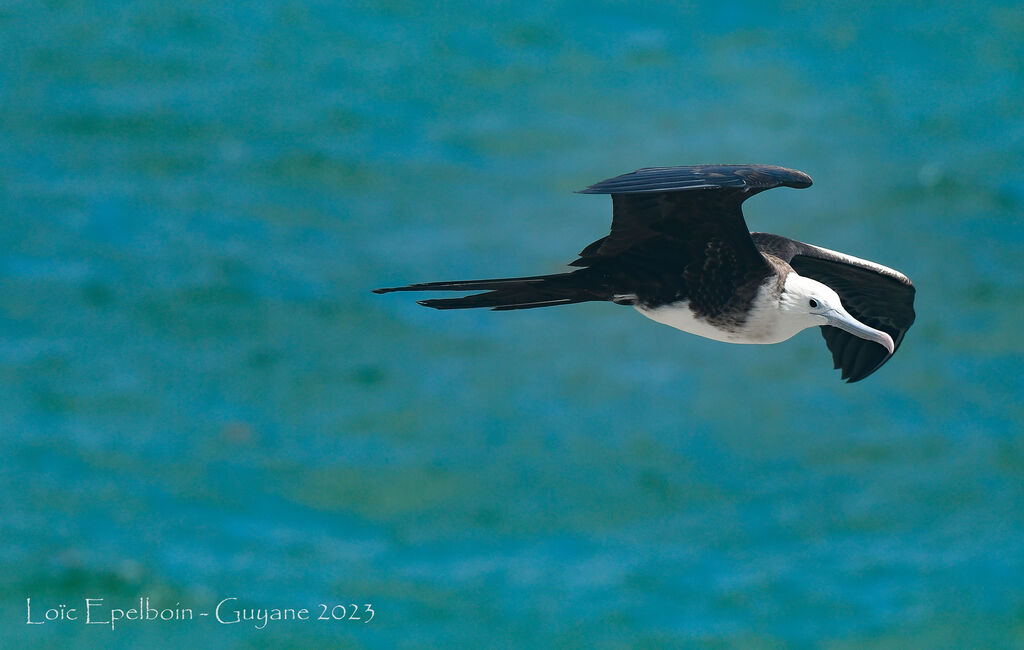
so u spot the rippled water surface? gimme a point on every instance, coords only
(201, 399)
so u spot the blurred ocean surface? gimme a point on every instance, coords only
(200, 397)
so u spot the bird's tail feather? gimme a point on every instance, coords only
(502, 294)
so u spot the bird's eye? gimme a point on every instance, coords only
(813, 303)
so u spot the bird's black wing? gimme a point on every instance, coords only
(874, 294)
(678, 233)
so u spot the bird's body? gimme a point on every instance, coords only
(762, 324)
(680, 253)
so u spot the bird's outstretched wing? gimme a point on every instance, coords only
(874, 294)
(750, 178)
(679, 232)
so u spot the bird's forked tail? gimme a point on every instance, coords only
(503, 294)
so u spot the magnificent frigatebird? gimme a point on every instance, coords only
(681, 254)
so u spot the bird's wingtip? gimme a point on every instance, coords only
(802, 180)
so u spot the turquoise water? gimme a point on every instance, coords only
(201, 399)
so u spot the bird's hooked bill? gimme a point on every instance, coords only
(844, 321)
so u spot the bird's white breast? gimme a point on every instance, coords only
(764, 322)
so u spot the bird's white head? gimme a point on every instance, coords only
(808, 303)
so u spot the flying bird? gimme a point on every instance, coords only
(680, 253)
